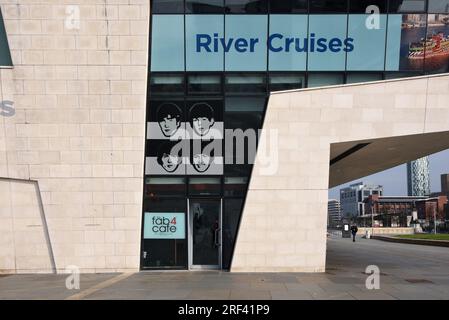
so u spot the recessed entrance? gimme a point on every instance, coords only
(205, 220)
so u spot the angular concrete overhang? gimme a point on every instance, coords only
(328, 136)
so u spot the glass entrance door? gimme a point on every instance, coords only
(205, 233)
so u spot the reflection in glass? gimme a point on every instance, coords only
(231, 216)
(166, 84)
(280, 82)
(164, 253)
(407, 6)
(245, 83)
(331, 6)
(167, 6)
(235, 186)
(438, 6)
(246, 6)
(437, 53)
(205, 223)
(288, 6)
(413, 43)
(363, 77)
(399, 75)
(324, 79)
(204, 186)
(204, 6)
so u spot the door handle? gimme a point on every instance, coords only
(216, 239)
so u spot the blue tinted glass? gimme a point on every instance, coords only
(439, 6)
(327, 39)
(284, 33)
(167, 45)
(245, 43)
(369, 43)
(393, 42)
(202, 31)
(5, 56)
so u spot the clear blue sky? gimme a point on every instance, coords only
(394, 180)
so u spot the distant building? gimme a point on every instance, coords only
(333, 213)
(393, 211)
(418, 180)
(445, 183)
(352, 197)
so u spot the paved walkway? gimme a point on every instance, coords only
(407, 272)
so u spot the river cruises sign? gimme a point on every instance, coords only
(298, 42)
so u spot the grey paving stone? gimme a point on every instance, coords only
(250, 295)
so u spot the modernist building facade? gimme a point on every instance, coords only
(352, 198)
(418, 177)
(120, 140)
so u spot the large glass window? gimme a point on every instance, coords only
(330, 6)
(438, 6)
(246, 6)
(161, 249)
(407, 6)
(357, 77)
(369, 54)
(324, 79)
(204, 6)
(287, 53)
(413, 43)
(201, 53)
(248, 51)
(167, 43)
(288, 6)
(360, 6)
(243, 117)
(204, 84)
(328, 55)
(165, 187)
(231, 216)
(436, 59)
(235, 186)
(5, 55)
(166, 84)
(286, 81)
(246, 83)
(167, 6)
(204, 186)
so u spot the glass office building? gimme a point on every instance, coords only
(212, 66)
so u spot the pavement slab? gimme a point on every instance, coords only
(407, 272)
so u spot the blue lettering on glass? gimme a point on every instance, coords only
(204, 41)
(276, 43)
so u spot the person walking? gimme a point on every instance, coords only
(354, 230)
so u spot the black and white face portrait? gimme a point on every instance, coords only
(201, 162)
(169, 118)
(202, 118)
(168, 159)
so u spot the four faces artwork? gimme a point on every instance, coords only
(202, 121)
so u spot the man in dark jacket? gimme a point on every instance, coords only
(354, 230)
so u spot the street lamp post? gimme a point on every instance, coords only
(372, 217)
(434, 220)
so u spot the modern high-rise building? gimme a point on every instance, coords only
(333, 213)
(418, 179)
(445, 183)
(352, 198)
